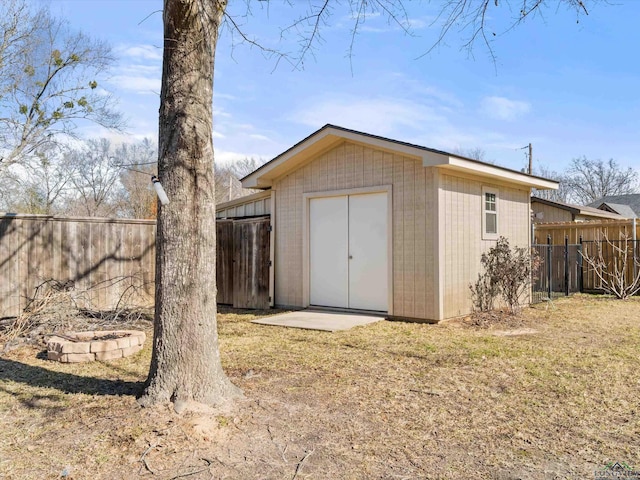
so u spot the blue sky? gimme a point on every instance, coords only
(571, 89)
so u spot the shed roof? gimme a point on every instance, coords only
(331, 135)
(578, 209)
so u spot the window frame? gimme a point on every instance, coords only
(489, 235)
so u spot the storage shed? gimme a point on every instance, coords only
(362, 222)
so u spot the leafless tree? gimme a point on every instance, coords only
(589, 180)
(41, 184)
(616, 265)
(228, 176)
(185, 365)
(93, 178)
(96, 180)
(475, 153)
(562, 194)
(138, 162)
(49, 81)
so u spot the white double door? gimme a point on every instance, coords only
(348, 250)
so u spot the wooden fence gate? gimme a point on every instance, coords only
(242, 262)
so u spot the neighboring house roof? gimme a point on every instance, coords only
(331, 135)
(625, 205)
(579, 209)
(242, 200)
(624, 210)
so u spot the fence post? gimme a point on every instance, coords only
(634, 245)
(566, 265)
(549, 261)
(580, 268)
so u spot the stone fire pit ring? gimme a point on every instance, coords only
(74, 347)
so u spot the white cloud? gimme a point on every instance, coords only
(146, 52)
(257, 136)
(381, 116)
(501, 108)
(376, 22)
(420, 23)
(137, 84)
(409, 87)
(354, 15)
(228, 157)
(427, 120)
(136, 78)
(224, 96)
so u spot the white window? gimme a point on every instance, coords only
(489, 213)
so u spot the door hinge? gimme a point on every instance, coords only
(270, 263)
(269, 228)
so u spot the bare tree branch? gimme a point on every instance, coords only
(473, 16)
(49, 81)
(589, 180)
(618, 269)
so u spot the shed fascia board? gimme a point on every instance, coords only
(263, 177)
(493, 171)
(330, 135)
(321, 141)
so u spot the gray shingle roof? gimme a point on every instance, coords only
(626, 205)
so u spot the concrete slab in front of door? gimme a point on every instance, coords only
(315, 320)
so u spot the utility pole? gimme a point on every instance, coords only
(530, 159)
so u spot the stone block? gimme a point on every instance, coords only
(131, 350)
(76, 347)
(55, 356)
(108, 355)
(54, 344)
(124, 342)
(141, 337)
(84, 336)
(104, 346)
(77, 357)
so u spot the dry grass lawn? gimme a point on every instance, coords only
(554, 395)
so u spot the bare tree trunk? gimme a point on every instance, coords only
(185, 366)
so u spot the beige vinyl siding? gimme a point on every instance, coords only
(351, 166)
(550, 213)
(461, 212)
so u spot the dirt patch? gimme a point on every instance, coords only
(514, 333)
(388, 400)
(495, 319)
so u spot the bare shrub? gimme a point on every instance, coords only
(618, 270)
(483, 293)
(506, 273)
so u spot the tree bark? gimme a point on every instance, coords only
(185, 366)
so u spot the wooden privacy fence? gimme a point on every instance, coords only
(591, 230)
(242, 262)
(561, 247)
(613, 254)
(102, 262)
(110, 262)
